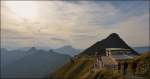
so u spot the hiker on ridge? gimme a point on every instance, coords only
(119, 67)
(125, 68)
(134, 67)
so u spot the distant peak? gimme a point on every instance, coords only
(68, 46)
(32, 49)
(113, 35)
(51, 50)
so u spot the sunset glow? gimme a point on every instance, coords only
(80, 24)
(24, 9)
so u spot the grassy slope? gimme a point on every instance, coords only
(74, 70)
(81, 69)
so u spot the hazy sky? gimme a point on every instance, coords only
(78, 23)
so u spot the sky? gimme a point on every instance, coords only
(80, 24)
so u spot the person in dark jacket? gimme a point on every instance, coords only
(119, 67)
(125, 68)
(134, 66)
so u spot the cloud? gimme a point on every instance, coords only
(58, 39)
(79, 23)
(135, 30)
(83, 36)
(13, 34)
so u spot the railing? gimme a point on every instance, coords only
(143, 68)
(140, 70)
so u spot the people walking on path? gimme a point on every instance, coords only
(125, 68)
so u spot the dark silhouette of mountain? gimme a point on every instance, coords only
(32, 49)
(68, 50)
(24, 48)
(3, 50)
(10, 56)
(37, 48)
(112, 41)
(36, 65)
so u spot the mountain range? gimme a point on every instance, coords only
(37, 63)
(29, 64)
(68, 50)
(8, 57)
(142, 49)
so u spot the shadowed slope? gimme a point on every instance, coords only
(112, 41)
